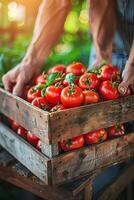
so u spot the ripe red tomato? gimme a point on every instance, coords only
(109, 90)
(38, 145)
(71, 144)
(32, 139)
(90, 96)
(72, 96)
(33, 93)
(109, 72)
(57, 108)
(53, 94)
(95, 136)
(14, 125)
(57, 68)
(116, 131)
(89, 81)
(76, 68)
(41, 79)
(21, 132)
(41, 102)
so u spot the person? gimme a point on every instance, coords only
(108, 19)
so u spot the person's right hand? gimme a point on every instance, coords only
(16, 79)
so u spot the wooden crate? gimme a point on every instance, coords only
(52, 167)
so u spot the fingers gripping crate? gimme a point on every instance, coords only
(51, 166)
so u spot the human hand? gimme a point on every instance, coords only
(15, 80)
(128, 77)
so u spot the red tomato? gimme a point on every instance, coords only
(57, 108)
(32, 139)
(116, 131)
(89, 81)
(72, 96)
(109, 72)
(53, 94)
(21, 132)
(76, 68)
(38, 145)
(14, 125)
(33, 93)
(71, 144)
(109, 90)
(41, 102)
(127, 93)
(90, 96)
(58, 68)
(41, 79)
(95, 136)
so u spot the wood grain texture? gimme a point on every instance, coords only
(112, 191)
(36, 162)
(89, 159)
(80, 120)
(28, 116)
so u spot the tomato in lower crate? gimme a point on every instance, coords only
(33, 93)
(116, 131)
(22, 132)
(72, 96)
(95, 136)
(72, 144)
(57, 68)
(90, 96)
(89, 81)
(40, 79)
(38, 145)
(14, 125)
(53, 93)
(57, 108)
(42, 102)
(109, 72)
(76, 68)
(109, 90)
(32, 139)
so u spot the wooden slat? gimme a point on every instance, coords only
(5, 158)
(86, 160)
(36, 162)
(80, 120)
(28, 116)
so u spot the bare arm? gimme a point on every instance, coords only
(48, 28)
(102, 19)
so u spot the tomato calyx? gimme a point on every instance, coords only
(69, 142)
(114, 84)
(101, 138)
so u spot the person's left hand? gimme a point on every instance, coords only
(128, 77)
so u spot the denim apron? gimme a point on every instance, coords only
(122, 42)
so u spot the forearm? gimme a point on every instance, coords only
(48, 28)
(102, 19)
(131, 56)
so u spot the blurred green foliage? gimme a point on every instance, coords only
(73, 46)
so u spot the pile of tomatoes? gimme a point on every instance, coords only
(66, 87)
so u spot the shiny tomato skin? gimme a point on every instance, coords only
(109, 90)
(76, 68)
(89, 81)
(58, 108)
(72, 144)
(21, 132)
(40, 79)
(109, 72)
(90, 96)
(95, 136)
(42, 102)
(38, 146)
(32, 139)
(72, 99)
(14, 125)
(53, 94)
(57, 68)
(115, 131)
(32, 94)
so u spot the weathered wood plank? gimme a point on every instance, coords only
(5, 158)
(28, 116)
(36, 162)
(80, 120)
(89, 159)
(50, 150)
(119, 184)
